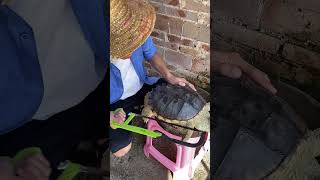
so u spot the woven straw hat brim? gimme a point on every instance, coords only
(140, 17)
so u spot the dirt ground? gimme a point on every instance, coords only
(136, 166)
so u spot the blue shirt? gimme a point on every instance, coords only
(21, 85)
(145, 52)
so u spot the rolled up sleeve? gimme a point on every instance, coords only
(149, 49)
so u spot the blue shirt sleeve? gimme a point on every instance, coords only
(149, 49)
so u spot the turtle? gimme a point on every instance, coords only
(258, 135)
(178, 105)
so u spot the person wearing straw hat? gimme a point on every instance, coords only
(131, 23)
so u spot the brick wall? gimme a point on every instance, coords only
(280, 37)
(182, 35)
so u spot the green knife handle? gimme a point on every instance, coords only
(71, 171)
(131, 116)
(24, 153)
(136, 129)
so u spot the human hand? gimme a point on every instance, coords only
(174, 80)
(118, 116)
(233, 66)
(7, 169)
(32, 168)
(35, 167)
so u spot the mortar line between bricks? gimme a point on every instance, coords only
(163, 47)
(176, 7)
(196, 75)
(267, 33)
(285, 60)
(176, 17)
(180, 36)
(240, 43)
(183, 19)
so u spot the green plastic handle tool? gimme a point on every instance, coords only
(70, 172)
(24, 153)
(125, 125)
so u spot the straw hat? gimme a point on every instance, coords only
(132, 22)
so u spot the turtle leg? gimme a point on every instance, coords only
(314, 144)
(147, 111)
(302, 161)
(315, 141)
(189, 133)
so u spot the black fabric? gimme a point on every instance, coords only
(59, 135)
(121, 138)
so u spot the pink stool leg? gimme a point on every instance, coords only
(149, 149)
(184, 166)
(204, 149)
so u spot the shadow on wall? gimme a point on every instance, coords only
(281, 38)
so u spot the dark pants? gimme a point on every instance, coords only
(60, 134)
(121, 138)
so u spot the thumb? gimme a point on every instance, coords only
(231, 71)
(182, 83)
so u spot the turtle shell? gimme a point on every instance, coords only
(251, 125)
(176, 102)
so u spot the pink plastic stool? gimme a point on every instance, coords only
(186, 163)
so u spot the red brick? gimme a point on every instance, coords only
(248, 37)
(187, 42)
(173, 2)
(204, 34)
(190, 51)
(199, 65)
(204, 19)
(162, 23)
(168, 45)
(178, 59)
(299, 55)
(307, 4)
(159, 7)
(159, 35)
(190, 30)
(169, 2)
(174, 39)
(175, 26)
(245, 11)
(181, 13)
(281, 17)
(175, 12)
(205, 47)
(195, 6)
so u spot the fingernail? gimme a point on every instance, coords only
(236, 73)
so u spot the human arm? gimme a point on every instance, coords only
(154, 57)
(35, 167)
(233, 66)
(158, 63)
